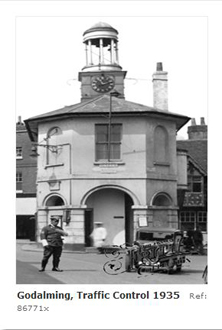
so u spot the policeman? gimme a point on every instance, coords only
(52, 241)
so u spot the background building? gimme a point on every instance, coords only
(107, 159)
(193, 208)
(26, 167)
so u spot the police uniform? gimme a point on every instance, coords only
(51, 237)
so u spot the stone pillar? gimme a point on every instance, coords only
(181, 169)
(87, 62)
(173, 218)
(42, 221)
(117, 54)
(163, 217)
(140, 217)
(143, 214)
(101, 55)
(75, 229)
(112, 51)
(90, 52)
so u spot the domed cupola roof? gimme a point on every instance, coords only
(101, 44)
(101, 26)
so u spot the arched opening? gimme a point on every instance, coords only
(113, 207)
(53, 140)
(160, 145)
(162, 199)
(54, 200)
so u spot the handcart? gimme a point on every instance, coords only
(156, 249)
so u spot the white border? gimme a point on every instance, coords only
(184, 314)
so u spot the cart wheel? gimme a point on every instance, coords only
(141, 270)
(170, 270)
(128, 266)
(170, 266)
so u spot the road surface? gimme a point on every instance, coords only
(88, 268)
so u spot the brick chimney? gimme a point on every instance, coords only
(197, 132)
(19, 122)
(160, 88)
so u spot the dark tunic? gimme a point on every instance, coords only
(52, 235)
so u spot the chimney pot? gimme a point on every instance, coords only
(159, 66)
(197, 132)
(202, 121)
(193, 122)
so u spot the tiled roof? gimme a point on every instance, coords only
(197, 149)
(100, 105)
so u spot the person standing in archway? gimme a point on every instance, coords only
(52, 242)
(99, 235)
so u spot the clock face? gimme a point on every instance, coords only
(102, 84)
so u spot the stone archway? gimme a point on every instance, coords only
(110, 186)
(112, 206)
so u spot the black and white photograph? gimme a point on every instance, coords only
(114, 215)
(111, 155)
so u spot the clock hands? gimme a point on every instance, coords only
(102, 84)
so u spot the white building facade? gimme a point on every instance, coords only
(107, 159)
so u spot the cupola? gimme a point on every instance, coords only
(102, 73)
(101, 46)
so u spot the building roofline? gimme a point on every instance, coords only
(120, 108)
(197, 165)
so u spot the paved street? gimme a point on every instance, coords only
(88, 268)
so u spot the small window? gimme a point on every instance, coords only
(108, 142)
(19, 177)
(190, 220)
(18, 152)
(187, 216)
(202, 220)
(187, 220)
(19, 181)
(202, 216)
(195, 183)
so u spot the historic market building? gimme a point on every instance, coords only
(105, 158)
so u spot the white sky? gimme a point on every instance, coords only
(50, 53)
